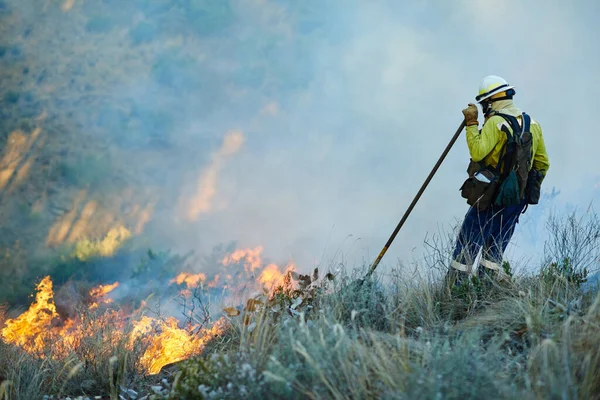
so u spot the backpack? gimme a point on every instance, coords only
(515, 162)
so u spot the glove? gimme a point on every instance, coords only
(471, 114)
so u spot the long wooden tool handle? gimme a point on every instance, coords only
(416, 199)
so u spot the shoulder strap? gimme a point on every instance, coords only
(517, 129)
(508, 153)
(526, 122)
(514, 125)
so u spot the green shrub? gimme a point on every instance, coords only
(223, 376)
(358, 303)
(564, 271)
(325, 360)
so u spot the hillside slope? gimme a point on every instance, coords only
(109, 111)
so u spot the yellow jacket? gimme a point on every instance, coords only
(486, 145)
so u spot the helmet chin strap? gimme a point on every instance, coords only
(486, 105)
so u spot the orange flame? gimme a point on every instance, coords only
(272, 276)
(99, 294)
(251, 258)
(30, 328)
(191, 280)
(165, 342)
(168, 343)
(41, 324)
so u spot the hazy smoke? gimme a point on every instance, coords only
(292, 125)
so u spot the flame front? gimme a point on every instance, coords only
(41, 330)
(41, 325)
(31, 328)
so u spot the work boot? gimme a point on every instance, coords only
(487, 277)
(492, 274)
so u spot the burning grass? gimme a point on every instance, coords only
(42, 332)
(100, 345)
(91, 347)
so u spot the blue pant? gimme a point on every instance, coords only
(491, 229)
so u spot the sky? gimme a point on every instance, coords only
(312, 138)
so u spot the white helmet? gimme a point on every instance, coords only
(491, 85)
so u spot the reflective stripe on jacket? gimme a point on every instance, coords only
(486, 145)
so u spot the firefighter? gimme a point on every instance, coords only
(497, 149)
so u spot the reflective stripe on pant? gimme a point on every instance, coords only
(491, 229)
(459, 266)
(490, 264)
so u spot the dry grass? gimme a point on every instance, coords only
(516, 344)
(534, 338)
